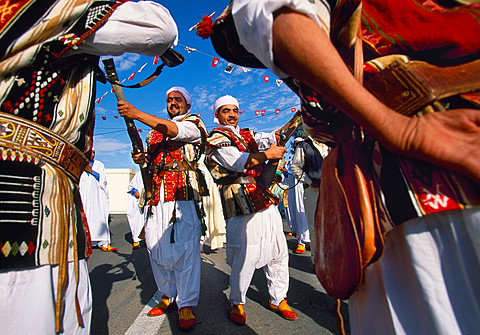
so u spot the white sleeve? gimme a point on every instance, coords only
(265, 140)
(297, 165)
(254, 20)
(187, 132)
(231, 158)
(144, 27)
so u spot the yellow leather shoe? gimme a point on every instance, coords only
(108, 248)
(284, 310)
(300, 249)
(237, 315)
(161, 308)
(186, 319)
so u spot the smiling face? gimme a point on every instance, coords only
(176, 104)
(228, 115)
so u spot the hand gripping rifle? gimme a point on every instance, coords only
(170, 58)
(265, 178)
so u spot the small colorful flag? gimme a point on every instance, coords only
(215, 61)
(132, 75)
(155, 60)
(263, 112)
(266, 78)
(277, 111)
(294, 109)
(190, 49)
(98, 100)
(229, 68)
(142, 67)
(279, 82)
(257, 112)
(104, 117)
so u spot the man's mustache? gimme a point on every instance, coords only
(232, 118)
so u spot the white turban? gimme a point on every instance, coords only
(225, 100)
(182, 91)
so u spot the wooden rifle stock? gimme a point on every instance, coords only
(265, 178)
(131, 129)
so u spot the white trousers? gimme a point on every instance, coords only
(255, 241)
(427, 280)
(27, 300)
(175, 266)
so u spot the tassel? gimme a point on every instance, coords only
(173, 220)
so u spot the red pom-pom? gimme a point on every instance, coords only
(205, 27)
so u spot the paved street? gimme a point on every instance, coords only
(124, 290)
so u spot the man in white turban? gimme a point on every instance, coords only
(173, 230)
(255, 236)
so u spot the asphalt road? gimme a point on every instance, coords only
(124, 290)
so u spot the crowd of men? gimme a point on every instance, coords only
(416, 267)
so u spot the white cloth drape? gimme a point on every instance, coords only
(427, 281)
(94, 194)
(135, 215)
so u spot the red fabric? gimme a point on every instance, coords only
(172, 180)
(422, 29)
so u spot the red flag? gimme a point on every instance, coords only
(263, 112)
(277, 111)
(98, 100)
(104, 117)
(155, 60)
(139, 130)
(257, 112)
(115, 116)
(294, 109)
(215, 61)
(132, 75)
(266, 78)
(240, 112)
(198, 114)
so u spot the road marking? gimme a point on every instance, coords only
(144, 324)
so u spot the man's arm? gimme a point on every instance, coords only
(298, 163)
(274, 152)
(320, 66)
(166, 127)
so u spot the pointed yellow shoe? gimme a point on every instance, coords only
(186, 319)
(300, 249)
(284, 310)
(237, 315)
(161, 308)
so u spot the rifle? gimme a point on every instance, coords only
(170, 58)
(265, 178)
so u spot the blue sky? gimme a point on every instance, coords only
(204, 82)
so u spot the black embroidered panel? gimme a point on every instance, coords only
(20, 213)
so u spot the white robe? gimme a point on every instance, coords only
(94, 194)
(254, 240)
(176, 266)
(216, 226)
(296, 210)
(135, 214)
(25, 290)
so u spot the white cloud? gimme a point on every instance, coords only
(109, 146)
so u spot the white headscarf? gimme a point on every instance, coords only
(225, 100)
(182, 91)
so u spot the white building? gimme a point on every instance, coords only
(117, 182)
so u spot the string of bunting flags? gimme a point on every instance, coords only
(215, 61)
